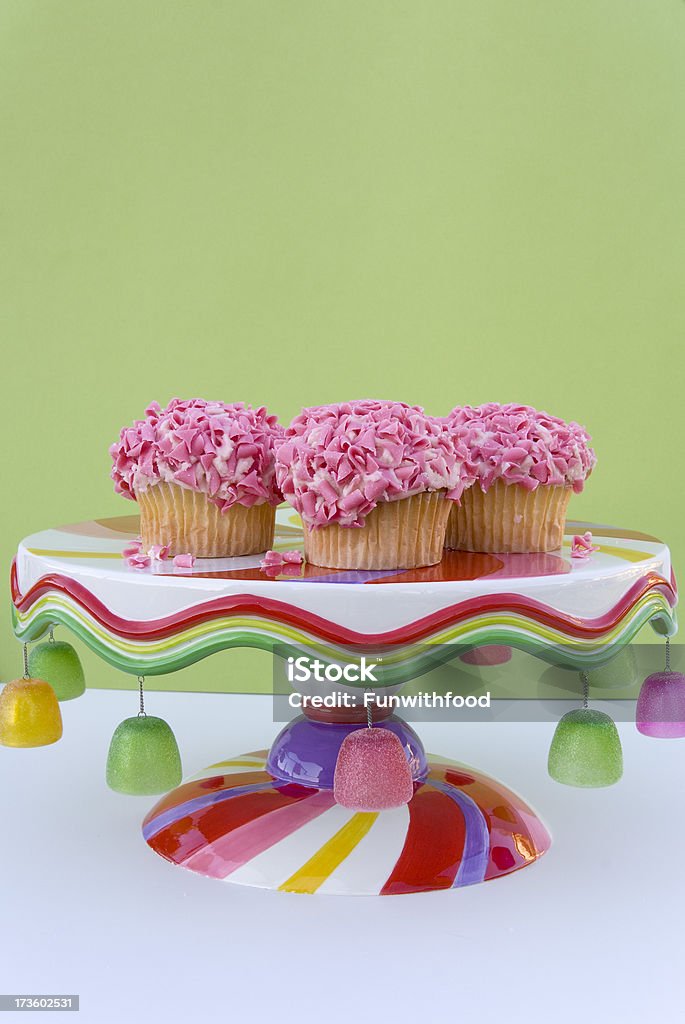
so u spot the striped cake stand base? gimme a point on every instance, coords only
(237, 822)
(246, 820)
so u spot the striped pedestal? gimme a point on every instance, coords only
(236, 822)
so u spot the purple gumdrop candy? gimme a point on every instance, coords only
(372, 772)
(660, 710)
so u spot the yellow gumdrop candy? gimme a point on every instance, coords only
(29, 714)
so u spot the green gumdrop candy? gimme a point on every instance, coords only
(58, 664)
(586, 750)
(621, 672)
(143, 757)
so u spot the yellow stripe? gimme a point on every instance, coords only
(324, 862)
(627, 554)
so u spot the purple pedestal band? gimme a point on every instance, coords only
(305, 751)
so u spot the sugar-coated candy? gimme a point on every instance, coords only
(29, 714)
(586, 750)
(372, 772)
(143, 757)
(660, 710)
(58, 663)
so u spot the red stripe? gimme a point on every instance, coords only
(432, 848)
(502, 811)
(227, 854)
(190, 790)
(279, 611)
(185, 837)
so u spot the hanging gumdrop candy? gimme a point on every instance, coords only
(660, 710)
(59, 664)
(372, 772)
(143, 756)
(29, 712)
(586, 748)
(487, 655)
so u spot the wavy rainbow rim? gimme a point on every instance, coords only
(159, 646)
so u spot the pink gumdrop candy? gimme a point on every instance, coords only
(660, 710)
(372, 772)
(489, 654)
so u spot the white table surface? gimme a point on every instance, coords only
(593, 930)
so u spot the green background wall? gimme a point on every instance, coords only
(301, 202)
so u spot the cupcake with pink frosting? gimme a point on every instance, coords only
(373, 482)
(203, 474)
(526, 465)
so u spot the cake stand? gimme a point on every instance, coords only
(269, 818)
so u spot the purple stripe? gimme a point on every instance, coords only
(198, 803)
(353, 576)
(474, 859)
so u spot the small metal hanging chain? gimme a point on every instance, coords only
(368, 689)
(26, 662)
(586, 690)
(51, 637)
(369, 716)
(668, 654)
(141, 697)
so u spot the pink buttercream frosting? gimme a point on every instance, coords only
(225, 451)
(338, 462)
(519, 445)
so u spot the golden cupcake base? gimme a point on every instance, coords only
(187, 521)
(508, 518)
(403, 534)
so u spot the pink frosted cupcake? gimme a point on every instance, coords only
(203, 474)
(526, 465)
(370, 480)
